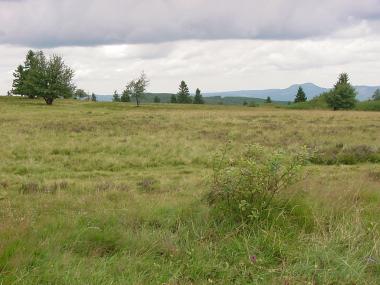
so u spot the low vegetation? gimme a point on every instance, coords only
(107, 193)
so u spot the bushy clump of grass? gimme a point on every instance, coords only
(31, 187)
(247, 187)
(148, 184)
(105, 186)
(341, 154)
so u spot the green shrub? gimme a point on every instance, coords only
(247, 187)
(368, 106)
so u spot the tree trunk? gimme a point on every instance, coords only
(137, 101)
(49, 101)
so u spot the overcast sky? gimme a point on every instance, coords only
(215, 45)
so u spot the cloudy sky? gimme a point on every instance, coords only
(215, 45)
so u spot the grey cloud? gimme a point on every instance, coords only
(50, 23)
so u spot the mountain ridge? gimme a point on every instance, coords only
(288, 94)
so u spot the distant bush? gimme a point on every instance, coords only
(368, 106)
(318, 102)
(247, 187)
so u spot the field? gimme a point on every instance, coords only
(107, 193)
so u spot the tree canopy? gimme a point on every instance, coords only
(343, 95)
(136, 88)
(115, 97)
(80, 93)
(198, 98)
(183, 95)
(48, 78)
(301, 96)
(376, 95)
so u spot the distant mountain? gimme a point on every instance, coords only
(288, 94)
(238, 97)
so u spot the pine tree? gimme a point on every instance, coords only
(183, 95)
(173, 99)
(376, 95)
(198, 98)
(116, 97)
(93, 97)
(245, 103)
(301, 96)
(156, 99)
(343, 96)
(268, 100)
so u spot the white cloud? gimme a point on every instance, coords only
(45, 23)
(212, 44)
(214, 65)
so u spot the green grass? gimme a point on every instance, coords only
(107, 193)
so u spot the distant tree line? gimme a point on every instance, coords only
(50, 78)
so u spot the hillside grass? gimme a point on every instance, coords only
(107, 193)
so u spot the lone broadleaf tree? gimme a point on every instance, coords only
(46, 78)
(343, 96)
(301, 96)
(136, 88)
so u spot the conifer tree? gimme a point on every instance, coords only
(343, 96)
(268, 100)
(156, 99)
(301, 96)
(198, 98)
(93, 97)
(116, 97)
(376, 95)
(183, 95)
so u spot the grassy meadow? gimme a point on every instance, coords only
(107, 193)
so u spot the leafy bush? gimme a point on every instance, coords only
(247, 187)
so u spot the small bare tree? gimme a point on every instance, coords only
(136, 88)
